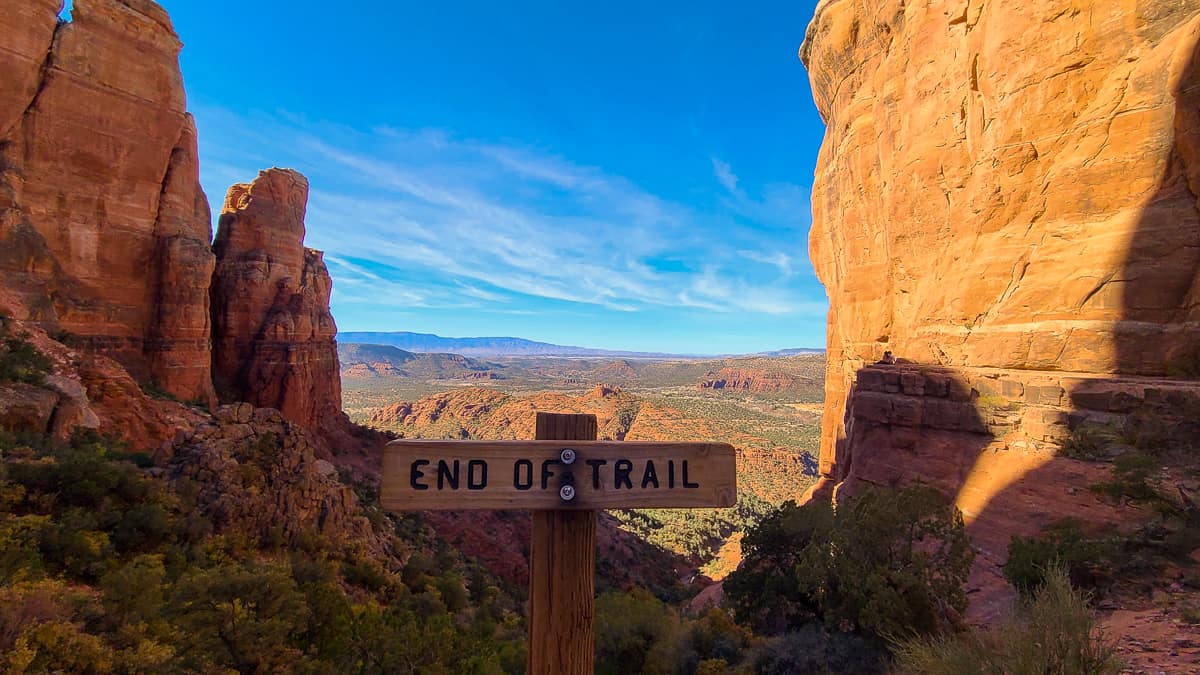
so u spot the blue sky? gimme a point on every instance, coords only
(612, 174)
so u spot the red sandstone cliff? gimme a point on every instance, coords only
(1005, 198)
(105, 233)
(104, 230)
(273, 335)
(1008, 185)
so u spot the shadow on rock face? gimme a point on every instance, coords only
(965, 433)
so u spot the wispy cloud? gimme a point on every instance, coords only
(422, 218)
(777, 259)
(725, 176)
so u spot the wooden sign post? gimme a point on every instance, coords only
(564, 477)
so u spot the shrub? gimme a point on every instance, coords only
(452, 591)
(635, 633)
(1065, 547)
(20, 555)
(713, 637)
(366, 574)
(20, 361)
(1133, 478)
(1092, 442)
(996, 402)
(817, 650)
(133, 592)
(884, 563)
(240, 617)
(1054, 632)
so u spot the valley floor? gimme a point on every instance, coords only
(768, 408)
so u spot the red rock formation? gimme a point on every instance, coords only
(1008, 185)
(258, 474)
(125, 411)
(86, 391)
(477, 412)
(752, 381)
(614, 371)
(1006, 197)
(273, 335)
(104, 229)
(105, 233)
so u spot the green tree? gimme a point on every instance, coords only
(635, 633)
(133, 593)
(883, 563)
(240, 617)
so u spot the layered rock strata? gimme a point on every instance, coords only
(104, 230)
(105, 235)
(273, 334)
(1006, 185)
(755, 381)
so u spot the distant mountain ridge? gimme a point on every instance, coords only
(509, 346)
(373, 360)
(796, 351)
(483, 346)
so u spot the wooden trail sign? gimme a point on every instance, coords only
(539, 475)
(564, 477)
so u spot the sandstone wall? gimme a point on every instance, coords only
(106, 238)
(1007, 185)
(990, 437)
(104, 230)
(273, 335)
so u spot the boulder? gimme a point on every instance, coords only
(26, 407)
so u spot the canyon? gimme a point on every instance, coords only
(1006, 200)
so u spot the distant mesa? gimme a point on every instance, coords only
(373, 360)
(798, 351)
(754, 381)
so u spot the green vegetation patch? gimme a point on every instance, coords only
(20, 361)
(694, 533)
(1063, 547)
(1112, 561)
(107, 569)
(1053, 632)
(883, 563)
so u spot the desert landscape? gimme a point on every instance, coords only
(767, 407)
(992, 466)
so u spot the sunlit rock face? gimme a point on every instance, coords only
(106, 237)
(104, 230)
(1008, 185)
(1006, 200)
(273, 334)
